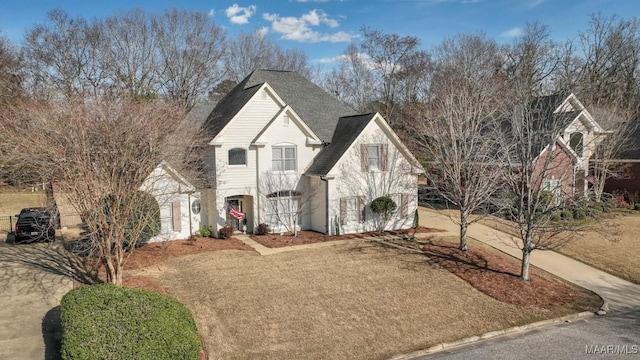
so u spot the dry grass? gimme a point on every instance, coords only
(357, 301)
(614, 247)
(12, 202)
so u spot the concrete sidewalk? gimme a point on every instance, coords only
(618, 293)
(263, 250)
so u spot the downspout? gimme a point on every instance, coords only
(326, 207)
(189, 206)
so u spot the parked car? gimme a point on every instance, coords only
(34, 224)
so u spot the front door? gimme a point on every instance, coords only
(232, 221)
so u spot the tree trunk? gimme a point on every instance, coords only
(463, 232)
(524, 272)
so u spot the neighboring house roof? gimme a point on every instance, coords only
(346, 132)
(318, 109)
(200, 111)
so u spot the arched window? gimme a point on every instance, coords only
(576, 143)
(237, 156)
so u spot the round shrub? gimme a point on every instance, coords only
(636, 206)
(105, 321)
(383, 205)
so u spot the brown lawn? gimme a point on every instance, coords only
(312, 237)
(356, 301)
(614, 247)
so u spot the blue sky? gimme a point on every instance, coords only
(324, 28)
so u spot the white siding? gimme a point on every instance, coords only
(167, 190)
(352, 182)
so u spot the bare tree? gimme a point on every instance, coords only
(352, 80)
(63, 57)
(538, 177)
(386, 71)
(191, 48)
(287, 199)
(10, 72)
(533, 59)
(98, 153)
(621, 138)
(459, 129)
(254, 50)
(602, 68)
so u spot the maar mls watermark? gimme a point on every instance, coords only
(612, 349)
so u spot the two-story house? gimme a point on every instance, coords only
(576, 133)
(285, 153)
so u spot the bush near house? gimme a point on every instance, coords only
(226, 232)
(105, 321)
(262, 229)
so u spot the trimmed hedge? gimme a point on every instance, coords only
(105, 321)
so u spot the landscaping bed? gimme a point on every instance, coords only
(497, 276)
(312, 237)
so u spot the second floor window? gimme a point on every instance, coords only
(237, 156)
(373, 157)
(283, 158)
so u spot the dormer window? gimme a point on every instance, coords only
(237, 156)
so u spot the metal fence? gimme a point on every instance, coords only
(66, 220)
(6, 223)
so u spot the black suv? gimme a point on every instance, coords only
(34, 224)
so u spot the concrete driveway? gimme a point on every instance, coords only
(33, 279)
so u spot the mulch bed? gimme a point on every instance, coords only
(497, 276)
(312, 237)
(153, 253)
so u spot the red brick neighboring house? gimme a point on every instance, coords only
(564, 165)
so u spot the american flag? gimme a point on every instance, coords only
(235, 213)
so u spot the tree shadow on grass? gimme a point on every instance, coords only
(448, 256)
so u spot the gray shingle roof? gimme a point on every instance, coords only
(319, 110)
(346, 132)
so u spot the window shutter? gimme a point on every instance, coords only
(405, 205)
(363, 208)
(343, 211)
(176, 216)
(384, 154)
(364, 158)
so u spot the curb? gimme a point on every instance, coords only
(493, 334)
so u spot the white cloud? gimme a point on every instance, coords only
(211, 13)
(263, 31)
(240, 15)
(300, 29)
(512, 33)
(308, 1)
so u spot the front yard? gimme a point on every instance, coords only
(358, 301)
